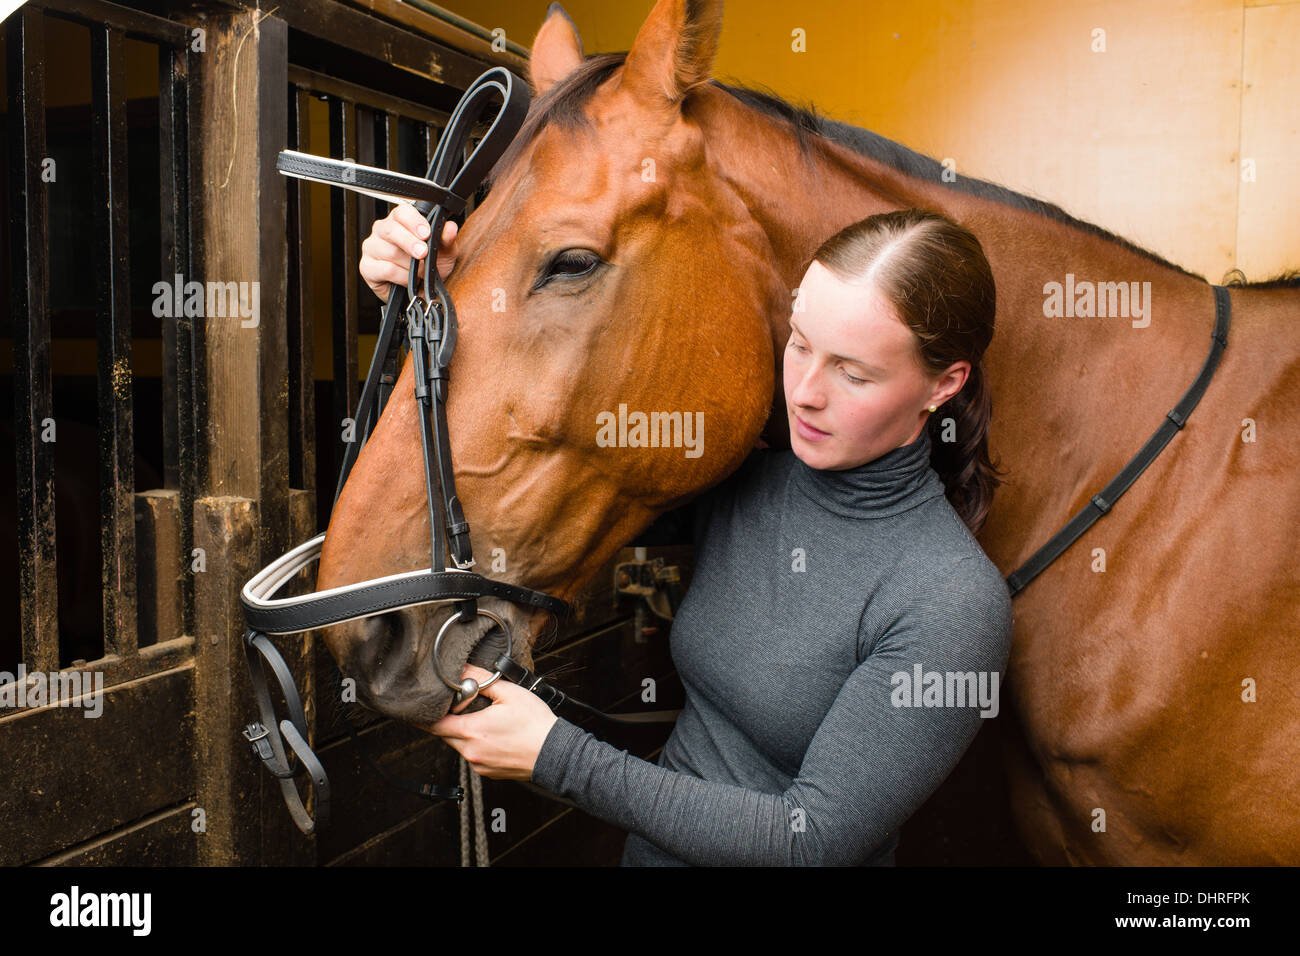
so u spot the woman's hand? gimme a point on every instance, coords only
(394, 241)
(501, 741)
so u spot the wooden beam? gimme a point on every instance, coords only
(372, 37)
(343, 90)
(97, 773)
(132, 23)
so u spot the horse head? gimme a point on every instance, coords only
(609, 273)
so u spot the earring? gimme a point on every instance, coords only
(934, 408)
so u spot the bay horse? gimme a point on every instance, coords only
(641, 245)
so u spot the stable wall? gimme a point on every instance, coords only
(1142, 117)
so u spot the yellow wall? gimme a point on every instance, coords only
(1146, 138)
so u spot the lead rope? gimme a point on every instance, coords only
(472, 784)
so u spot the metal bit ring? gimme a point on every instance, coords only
(458, 686)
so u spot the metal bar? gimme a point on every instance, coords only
(344, 255)
(272, 119)
(29, 291)
(173, 236)
(201, 115)
(392, 143)
(169, 221)
(368, 206)
(335, 88)
(188, 373)
(368, 210)
(113, 322)
(302, 399)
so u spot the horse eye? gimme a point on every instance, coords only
(571, 265)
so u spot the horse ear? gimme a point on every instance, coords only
(674, 50)
(557, 50)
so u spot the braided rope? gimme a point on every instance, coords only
(472, 784)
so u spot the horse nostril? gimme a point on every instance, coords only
(383, 654)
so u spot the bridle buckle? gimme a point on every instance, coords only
(257, 735)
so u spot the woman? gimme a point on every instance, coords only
(844, 634)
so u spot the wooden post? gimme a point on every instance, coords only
(243, 92)
(243, 522)
(160, 570)
(228, 776)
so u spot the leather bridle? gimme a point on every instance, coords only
(427, 319)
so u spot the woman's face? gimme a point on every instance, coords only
(854, 388)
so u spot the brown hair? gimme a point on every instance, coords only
(934, 273)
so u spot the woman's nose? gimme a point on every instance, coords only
(809, 390)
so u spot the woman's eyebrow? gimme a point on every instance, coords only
(846, 358)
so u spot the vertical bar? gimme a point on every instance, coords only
(300, 654)
(392, 142)
(368, 210)
(168, 223)
(272, 251)
(366, 154)
(302, 399)
(113, 332)
(178, 342)
(344, 255)
(29, 290)
(197, 409)
(187, 375)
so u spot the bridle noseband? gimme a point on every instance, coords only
(427, 318)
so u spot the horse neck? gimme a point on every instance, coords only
(1086, 391)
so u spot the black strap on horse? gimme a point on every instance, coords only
(1106, 498)
(427, 317)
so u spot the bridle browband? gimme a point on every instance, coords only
(427, 317)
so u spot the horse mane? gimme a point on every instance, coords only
(563, 105)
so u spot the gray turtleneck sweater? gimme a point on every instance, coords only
(842, 634)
